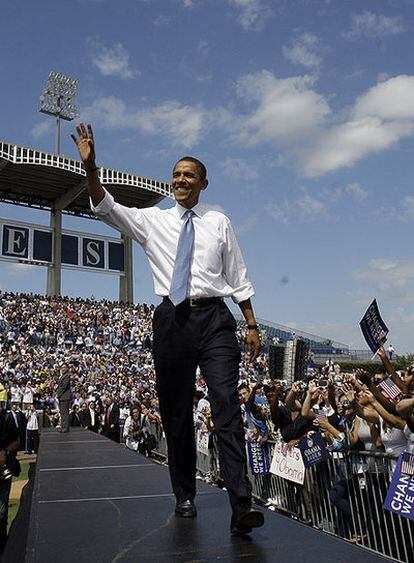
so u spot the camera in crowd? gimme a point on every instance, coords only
(5, 473)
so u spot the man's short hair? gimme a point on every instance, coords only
(201, 169)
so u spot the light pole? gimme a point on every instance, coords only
(58, 99)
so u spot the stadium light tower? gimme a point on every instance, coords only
(58, 99)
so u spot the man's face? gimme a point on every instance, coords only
(187, 184)
(243, 395)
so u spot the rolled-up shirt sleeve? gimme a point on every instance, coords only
(234, 267)
(133, 222)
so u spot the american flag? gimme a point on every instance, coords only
(407, 465)
(391, 390)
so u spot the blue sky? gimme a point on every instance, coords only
(303, 112)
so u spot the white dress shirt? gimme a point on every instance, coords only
(32, 421)
(217, 267)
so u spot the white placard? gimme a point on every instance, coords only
(288, 463)
(202, 442)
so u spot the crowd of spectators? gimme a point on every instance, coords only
(107, 347)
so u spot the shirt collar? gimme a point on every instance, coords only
(197, 209)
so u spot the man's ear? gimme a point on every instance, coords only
(205, 184)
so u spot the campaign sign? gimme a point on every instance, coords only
(259, 457)
(400, 496)
(313, 450)
(288, 463)
(373, 328)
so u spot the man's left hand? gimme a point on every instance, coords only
(253, 344)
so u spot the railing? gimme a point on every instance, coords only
(25, 155)
(343, 496)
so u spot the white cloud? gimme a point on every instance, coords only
(287, 109)
(252, 14)
(42, 128)
(392, 99)
(356, 191)
(203, 47)
(387, 273)
(376, 123)
(368, 24)
(304, 50)
(287, 113)
(247, 225)
(162, 21)
(180, 124)
(112, 61)
(309, 206)
(278, 212)
(346, 144)
(206, 77)
(382, 76)
(239, 169)
(305, 207)
(408, 206)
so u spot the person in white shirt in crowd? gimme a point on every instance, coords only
(124, 413)
(136, 428)
(27, 396)
(32, 431)
(390, 351)
(16, 394)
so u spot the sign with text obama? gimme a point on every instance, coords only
(400, 496)
(33, 244)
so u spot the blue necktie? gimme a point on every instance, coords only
(181, 273)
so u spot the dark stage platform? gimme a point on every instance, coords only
(95, 501)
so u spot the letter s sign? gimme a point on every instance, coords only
(93, 253)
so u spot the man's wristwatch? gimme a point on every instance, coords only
(253, 327)
(90, 168)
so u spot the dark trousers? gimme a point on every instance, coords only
(185, 337)
(32, 441)
(64, 415)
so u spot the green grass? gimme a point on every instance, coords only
(24, 475)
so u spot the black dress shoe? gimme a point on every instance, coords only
(186, 509)
(247, 520)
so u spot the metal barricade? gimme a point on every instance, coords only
(343, 496)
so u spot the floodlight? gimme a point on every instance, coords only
(57, 99)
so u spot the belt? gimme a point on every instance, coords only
(196, 302)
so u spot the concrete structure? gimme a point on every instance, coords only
(33, 178)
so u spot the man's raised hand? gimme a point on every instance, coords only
(85, 144)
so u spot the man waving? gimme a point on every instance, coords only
(196, 262)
